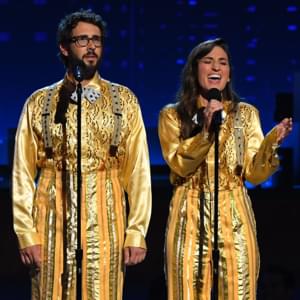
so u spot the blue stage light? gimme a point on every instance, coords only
(292, 27)
(251, 8)
(292, 8)
(40, 2)
(192, 2)
(180, 61)
(5, 37)
(40, 37)
(250, 78)
(251, 61)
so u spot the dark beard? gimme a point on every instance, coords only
(87, 71)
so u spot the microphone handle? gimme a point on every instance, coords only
(217, 118)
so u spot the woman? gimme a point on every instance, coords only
(187, 140)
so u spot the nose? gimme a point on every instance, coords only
(216, 65)
(91, 44)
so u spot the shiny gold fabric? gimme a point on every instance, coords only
(189, 238)
(45, 213)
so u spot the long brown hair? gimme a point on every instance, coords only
(190, 89)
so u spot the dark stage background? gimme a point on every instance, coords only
(146, 47)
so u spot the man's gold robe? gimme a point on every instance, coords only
(45, 198)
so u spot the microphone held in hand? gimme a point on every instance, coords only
(215, 94)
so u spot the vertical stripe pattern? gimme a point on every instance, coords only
(189, 240)
(102, 231)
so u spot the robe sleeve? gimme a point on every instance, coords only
(137, 182)
(261, 159)
(23, 180)
(182, 156)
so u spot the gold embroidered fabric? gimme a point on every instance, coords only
(45, 199)
(189, 238)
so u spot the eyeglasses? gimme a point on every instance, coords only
(83, 40)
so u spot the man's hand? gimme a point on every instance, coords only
(31, 256)
(134, 255)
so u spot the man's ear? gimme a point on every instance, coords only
(63, 50)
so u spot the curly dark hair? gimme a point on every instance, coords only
(190, 89)
(70, 21)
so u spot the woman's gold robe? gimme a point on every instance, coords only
(190, 227)
(45, 198)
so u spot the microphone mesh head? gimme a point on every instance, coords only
(78, 73)
(214, 94)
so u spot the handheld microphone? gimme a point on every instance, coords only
(215, 94)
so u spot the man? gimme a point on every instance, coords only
(114, 161)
